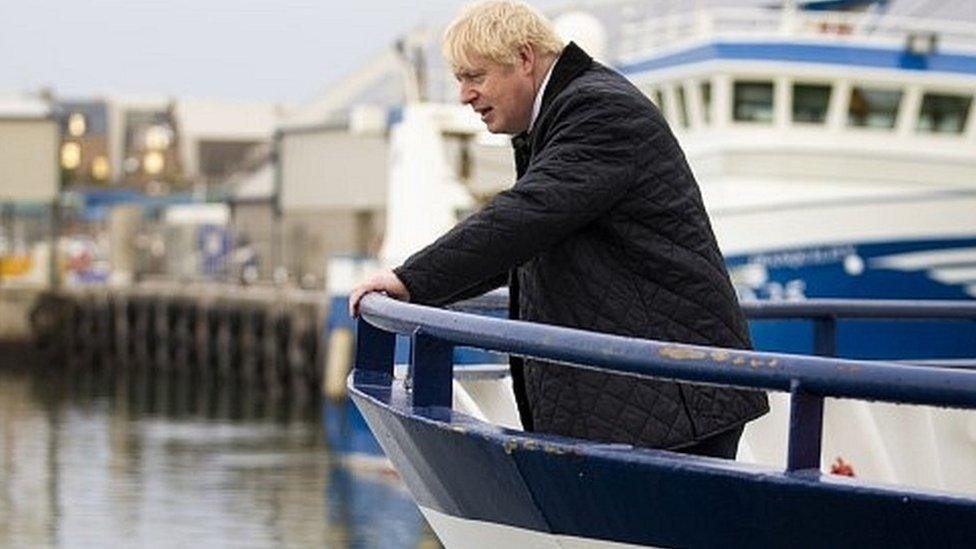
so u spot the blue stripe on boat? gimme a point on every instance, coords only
(851, 56)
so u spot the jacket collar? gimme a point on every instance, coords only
(572, 62)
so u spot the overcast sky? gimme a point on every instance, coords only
(279, 50)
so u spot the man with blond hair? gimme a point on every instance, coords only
(604, 230)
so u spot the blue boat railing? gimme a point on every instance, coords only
(824, 314)
(809, 379)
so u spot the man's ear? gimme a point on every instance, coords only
(526, 59)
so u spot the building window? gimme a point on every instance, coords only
(706, 96)
(77, 125)
(219, 159)
(942, 113)
(873, 108)
(70, 155)
(100, 169)
(753, 102)
(810, 103)
(682, 106)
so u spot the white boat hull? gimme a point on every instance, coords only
(456, 532)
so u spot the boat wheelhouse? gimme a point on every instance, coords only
(836, 151)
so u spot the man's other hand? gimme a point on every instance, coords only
(383, 281)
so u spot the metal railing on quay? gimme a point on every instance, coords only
(650, 31)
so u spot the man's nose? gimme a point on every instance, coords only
(467, 95)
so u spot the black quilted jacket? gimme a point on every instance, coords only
(604, 230)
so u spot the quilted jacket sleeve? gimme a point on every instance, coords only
(583, 166)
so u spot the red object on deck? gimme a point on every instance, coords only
(843, 468)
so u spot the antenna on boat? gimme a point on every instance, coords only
(410, 50)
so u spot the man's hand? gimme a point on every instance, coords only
(383, 281)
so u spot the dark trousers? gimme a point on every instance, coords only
(721, 445)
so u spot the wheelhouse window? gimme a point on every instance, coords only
(682, 106)
(656, 97)
(753, 102)
(873, 108)
(706, 97)
(943, 113)
(810, 103)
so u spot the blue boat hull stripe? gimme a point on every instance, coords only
(472, 470)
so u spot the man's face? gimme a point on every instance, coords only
(502, 95)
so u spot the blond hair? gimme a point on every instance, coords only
(495, 30)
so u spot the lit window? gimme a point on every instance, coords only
(70, 155)
(682, 107)
(77, 124)
(706, 95)
(810, 103)
(153, 162)
(753, 102)
(99, 168)
(873, 108)
(158, 137)
(943, 113)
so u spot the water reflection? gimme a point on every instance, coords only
(138, 457)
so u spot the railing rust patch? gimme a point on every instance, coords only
(682, 353)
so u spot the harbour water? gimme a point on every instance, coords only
(114, 458)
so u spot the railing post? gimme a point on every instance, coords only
(432, 367)
(806, 429)
(825, 336)
(374, 354)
